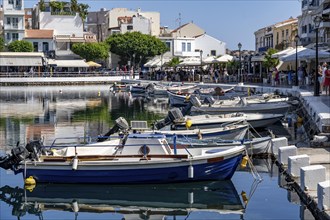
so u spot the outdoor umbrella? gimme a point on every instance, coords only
(93, 64)
(305, 54)
(210, 59)
(225, 58)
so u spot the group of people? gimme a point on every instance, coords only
(324, 78)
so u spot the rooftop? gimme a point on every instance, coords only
(39, 34)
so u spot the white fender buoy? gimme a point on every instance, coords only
(191, 197)
(75, 206)
(75, 163)
(191, 172)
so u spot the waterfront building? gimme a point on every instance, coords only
(96, 23)
(67, 26)
(42, 40)
(13, 20)
(122, 20)
(306, 24)
(264, 39)
(189, 40)
(284, 33)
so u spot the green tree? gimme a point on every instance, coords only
(42, 5)
(232, 67)
(2, 44)
(91, 51)
(174, 62)
(269, 61)
(20, 46)
(125, 45)
(74, 6)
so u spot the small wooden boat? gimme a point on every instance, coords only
(256, 120)
(137, 158)
(137, 88)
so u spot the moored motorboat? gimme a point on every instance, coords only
(138, 158)
(256, 120)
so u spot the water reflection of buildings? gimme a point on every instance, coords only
(42, 112)
(210, 200)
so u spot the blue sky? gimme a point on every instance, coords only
(231, 21)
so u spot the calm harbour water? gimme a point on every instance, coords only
(50, 112)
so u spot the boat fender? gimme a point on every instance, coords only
(30, 181)
(190, 172)
(244, 162)
(75, 163)
(75, 206)
(191, 197)
(188, 123)
(244, 197)
(145, 150)
(199, 134)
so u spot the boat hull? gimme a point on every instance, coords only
(98, 172)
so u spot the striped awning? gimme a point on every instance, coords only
(20, 61)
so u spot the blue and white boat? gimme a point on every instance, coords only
(135, 158)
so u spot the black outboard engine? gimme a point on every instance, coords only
(34, 148)
(173, 114)
(120, 124)
(209, 100)
(193, 101)
(18, 154)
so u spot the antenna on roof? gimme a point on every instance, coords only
(179, 24)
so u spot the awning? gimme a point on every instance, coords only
(68, 63)
(93, 64)
(20, 61)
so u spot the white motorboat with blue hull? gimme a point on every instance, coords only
(219, 169)
(136, 158)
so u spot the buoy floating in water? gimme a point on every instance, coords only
(244, 161)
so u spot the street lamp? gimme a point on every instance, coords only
(201, 55)
(240, 68)
(317, 21)
(296, 39)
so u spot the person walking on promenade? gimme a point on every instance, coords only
(326, 83)
(324, 69)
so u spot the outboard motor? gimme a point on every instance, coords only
(209, 100)
(193, 101)
(173, 115)
(18, 154)
(120, 124)
(34, 148)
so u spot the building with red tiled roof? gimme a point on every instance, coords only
(42, 40)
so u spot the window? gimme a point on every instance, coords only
(8, 36)
(310, 28)
(277, 37)
(18, 3)
(45, 47)
(11, 2)
(129, 27)
(35, 46)
(304, 29)
(8, 21)
(168, 45)
(189, 47)
(15, 22)
(14, 36)
(213, 53)
(282, 33)
(183, 46)
(287, 32)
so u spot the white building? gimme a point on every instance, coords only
(13, 20)
(123, 20)
(189, 39)
(264, 39)
(210, 45)
(67, 27)
(42, 40)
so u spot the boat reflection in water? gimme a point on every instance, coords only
(164, 201)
